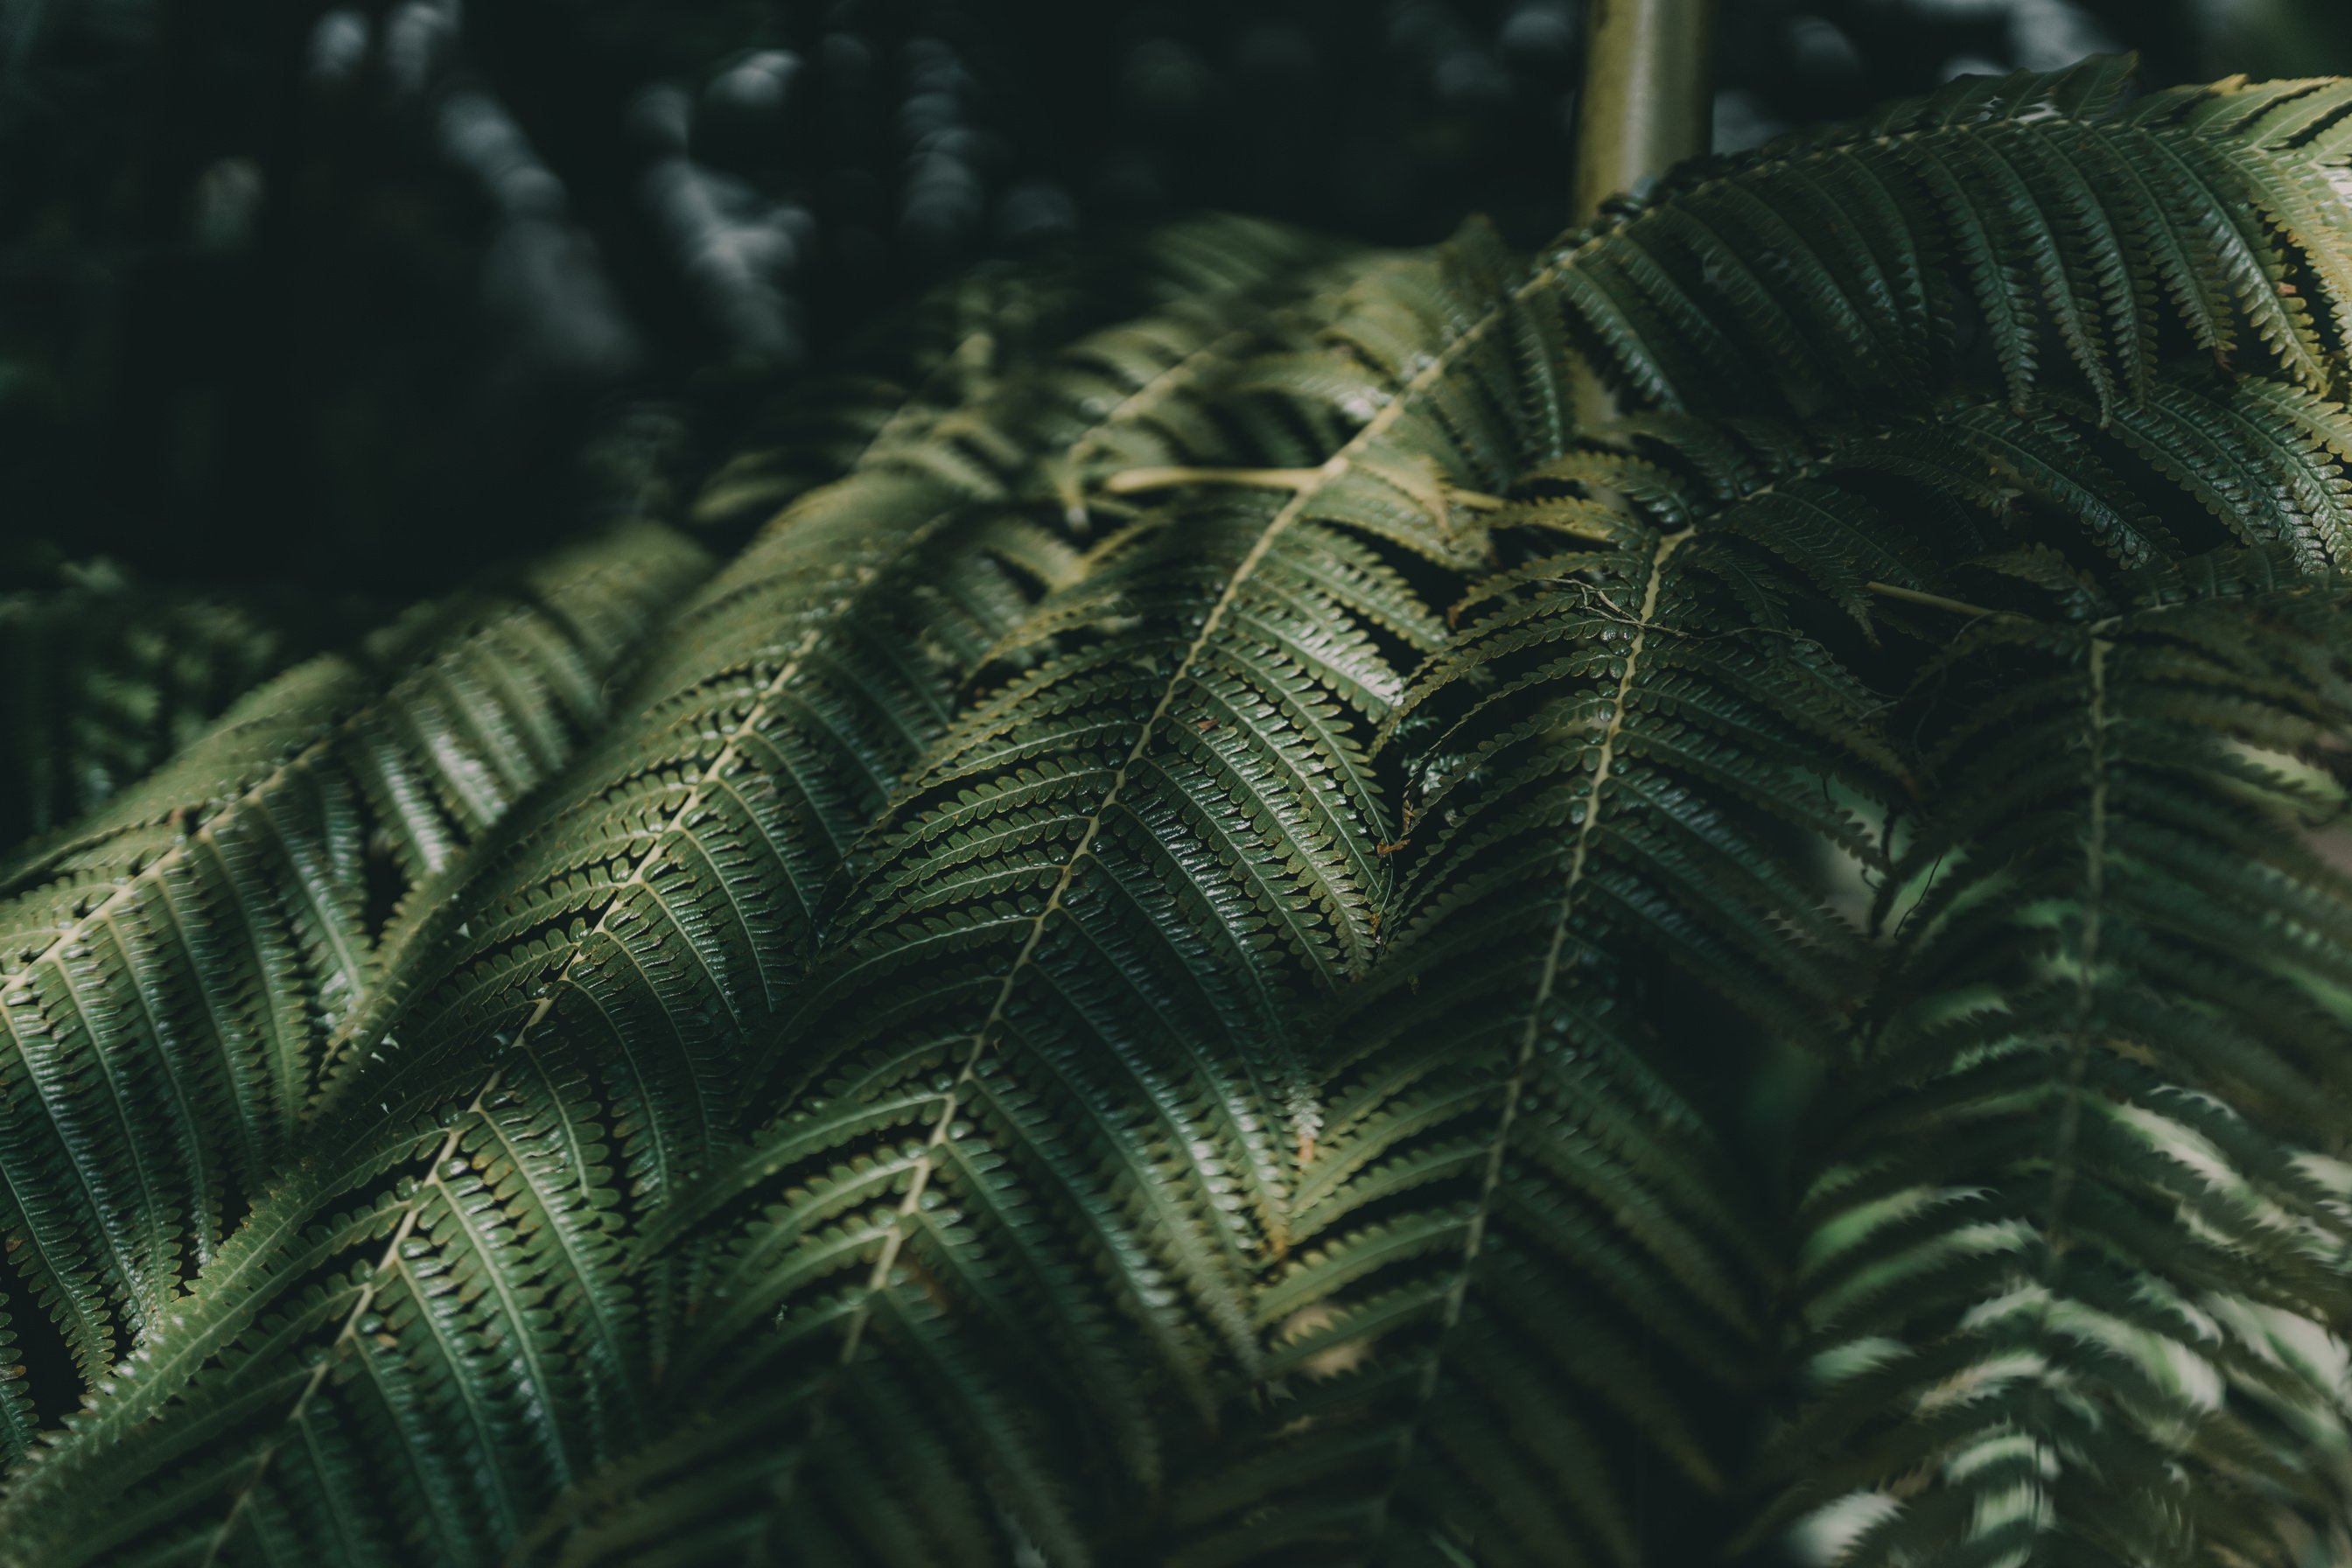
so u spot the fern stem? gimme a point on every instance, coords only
(2086, 965)
(349, 1333)
(1474, 1239)
(1933, 601)
(1305, 484)
(1137, 481)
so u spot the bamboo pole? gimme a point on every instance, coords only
(1647, 104)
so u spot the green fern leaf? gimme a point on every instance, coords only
(970, 336)
(1509, 1193)
(107, 680)
(1049, 1092)
(171, 968)
(2067, 1282)
(1053, 1049)
(585, 997)
(1819, 266)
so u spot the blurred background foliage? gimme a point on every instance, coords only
(345, 299)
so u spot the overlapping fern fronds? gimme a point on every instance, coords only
(2084, 238)
(172, 967)
(1516, 1227)
(2074, 1262)
(105, 679)
(1051, 1089)
(1081, 1014)
(1047, 1094)
(1892, 263)
(1057, 1075)
(561, 1049)
(1460, 368)
(780, 712)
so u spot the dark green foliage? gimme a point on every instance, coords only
(105, 680)
(172, 967)
(1058, 1016)
(2043, 229)
(1602, 759)
(1178, 961)
(2076, 1241)
(561, 1048)
(1065, 1002)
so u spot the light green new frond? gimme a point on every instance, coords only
(172, 968)
(2068, 1284)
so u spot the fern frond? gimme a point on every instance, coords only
(1904, 498)
(1430, 1395)
(2068, 1285)
(106, 680)
(1056, 1050)
(778, 716)
(1515, 1206)
(19, 1421)
(171, 968)
(1629, 749)
(952, 348)
(1458, 395)
(1821, 272)
(2086, 238)
(588, 994)
(1052, 1093)
(966, 338)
